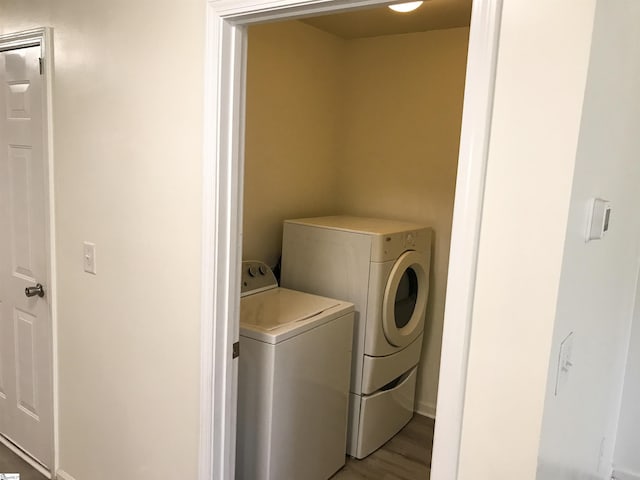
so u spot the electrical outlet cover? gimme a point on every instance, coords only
(564, 363)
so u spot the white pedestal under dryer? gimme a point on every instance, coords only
(382, 267)
(293, 380)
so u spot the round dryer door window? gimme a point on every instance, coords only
(405, 299)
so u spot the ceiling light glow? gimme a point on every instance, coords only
(405, 7)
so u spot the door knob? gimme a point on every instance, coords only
(33, 291)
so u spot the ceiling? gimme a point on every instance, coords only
(373, 22)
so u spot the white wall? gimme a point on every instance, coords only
(399, 153)
(627, 449)
(598, 282)
(127, 124)
(541, 74)
(367, 127)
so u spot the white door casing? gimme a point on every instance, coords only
(224, 115)
(26, 328)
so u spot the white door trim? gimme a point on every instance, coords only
(465, 235)
(225, 64)
(43, 37)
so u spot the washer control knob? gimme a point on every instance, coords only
(253, 271)
(263, 269)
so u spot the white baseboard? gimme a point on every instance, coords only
(426, 409)
(7, 443)
(62, 475)
(625, 475)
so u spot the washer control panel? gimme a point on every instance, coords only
(256, 277)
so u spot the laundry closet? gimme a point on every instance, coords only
(339, 124)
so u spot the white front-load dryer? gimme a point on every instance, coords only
(382, 267)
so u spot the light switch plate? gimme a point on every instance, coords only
(564, 363)
(89, 257)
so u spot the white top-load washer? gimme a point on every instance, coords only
(293, 380)
(382, 266)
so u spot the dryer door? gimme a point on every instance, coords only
(405, 299)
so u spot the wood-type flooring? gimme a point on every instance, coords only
(407, 456)
(11, 463)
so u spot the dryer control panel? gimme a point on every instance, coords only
(256, 277)
(391, 246)
(410, 239)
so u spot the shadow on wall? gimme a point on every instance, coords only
(432, 336)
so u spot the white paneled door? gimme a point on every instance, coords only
(26, 408)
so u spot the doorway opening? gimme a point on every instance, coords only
(358, 114)
(225, 153)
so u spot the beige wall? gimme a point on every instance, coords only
(292, 130)
(367, 127)
(127, 124)
(403, 108)
(540, 86)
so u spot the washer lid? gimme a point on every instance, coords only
(280, 313)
